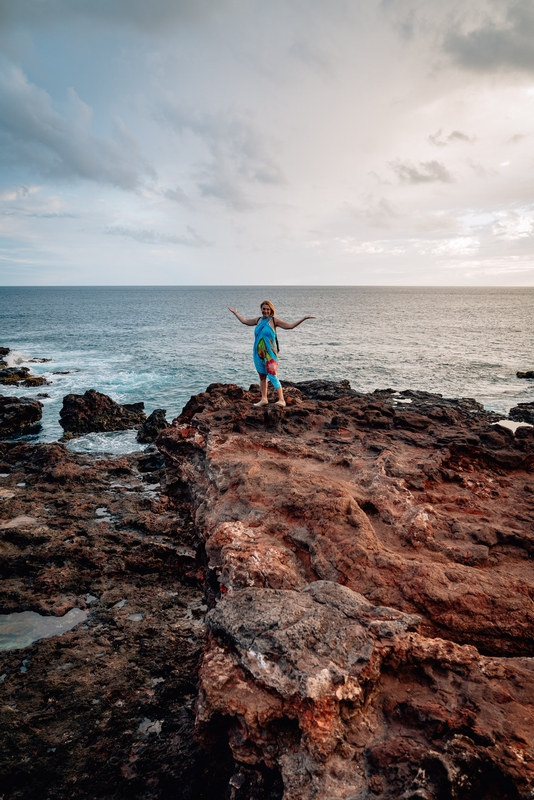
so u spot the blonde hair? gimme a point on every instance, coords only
(268, 303)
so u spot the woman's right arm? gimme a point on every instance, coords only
(242, 319)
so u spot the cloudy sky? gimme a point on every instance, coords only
(379, 142)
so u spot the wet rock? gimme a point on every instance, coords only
(94, 412)
(523, 412)
(528, 374)
(3, 352)
(20, 376)
(155, 423)
(370, 571)
(106, 709)
(19, 416)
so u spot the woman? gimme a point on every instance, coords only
(265, 352)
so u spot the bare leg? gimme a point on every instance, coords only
(280, 400)
(263, 389)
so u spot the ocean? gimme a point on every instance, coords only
(163, 344)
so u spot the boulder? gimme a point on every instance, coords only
(96, 412)
(17, 376)
(528, 374)
(150, 430)
(19, 415)
(523, 412)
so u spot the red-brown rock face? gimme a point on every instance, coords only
(370, 560)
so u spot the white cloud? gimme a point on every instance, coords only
(513, 225)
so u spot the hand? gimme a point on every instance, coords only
(309, 317)
(233, 310)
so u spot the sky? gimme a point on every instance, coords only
(267, 142)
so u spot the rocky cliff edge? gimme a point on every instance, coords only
(369, 560)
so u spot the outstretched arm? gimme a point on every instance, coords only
(288, 326)
(242, 319)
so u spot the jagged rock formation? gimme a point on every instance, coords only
(337, 597)
(528, 374)
(155, 423)
(94, 412)
(19, 416)
(369, 559)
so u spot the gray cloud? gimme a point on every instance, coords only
(310, 56)
(378, 214)
(518, 137)
(32, 132)
(506, 42)
(239, 155)
(177, 195)
(148, 16)
(456, 136)
(426, 172)
(150, 236)
(22, 212)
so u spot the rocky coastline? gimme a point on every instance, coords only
(334, 600)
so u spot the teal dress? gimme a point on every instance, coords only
(265, 352)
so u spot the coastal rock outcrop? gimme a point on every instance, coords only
(96, 412)
(529, 374)
(370, 568)
(20, 376)
(19, 416)
(105, 710)
(155, 423)
(523, 412)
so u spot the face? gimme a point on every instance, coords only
(266, 310)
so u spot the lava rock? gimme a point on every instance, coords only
(19, 415)
(150, 430)
(10, 376)
(17, 376)
(528, 374)
(523, 412)
(323, 390)
(325, 538)
(96, 412)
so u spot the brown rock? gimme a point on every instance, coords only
(152, 427)
(330, 533)
(94, 411)
(19, 416)
(107, 709)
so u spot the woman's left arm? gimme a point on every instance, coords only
(288, 326)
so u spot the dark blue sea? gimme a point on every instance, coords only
(163, 344)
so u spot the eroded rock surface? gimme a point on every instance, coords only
(20, 376)
(154, 425)
(370, 562)
(96, 412)
(107, 709)
(19, 416)
(523, 412)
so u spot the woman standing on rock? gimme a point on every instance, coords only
(265, 352)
